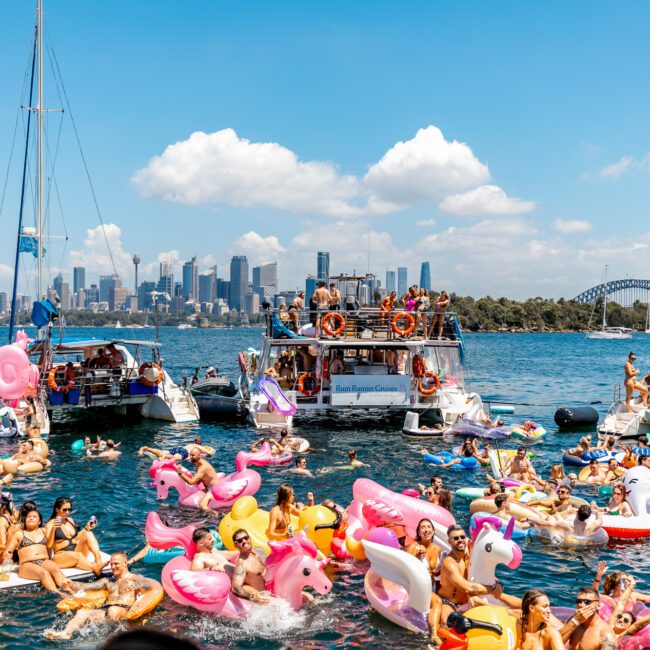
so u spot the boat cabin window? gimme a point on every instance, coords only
(445, 362)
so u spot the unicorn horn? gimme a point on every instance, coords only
(509, 529)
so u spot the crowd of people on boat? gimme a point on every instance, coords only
(428, 312)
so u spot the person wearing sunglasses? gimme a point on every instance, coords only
(455, 587)
(614, 586)
(593, 633)
(301, 467)
(208, 558)
(248, 577)
(617, 504)
(72, 545)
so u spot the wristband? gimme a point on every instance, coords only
(574, 620)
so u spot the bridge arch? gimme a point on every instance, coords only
(630, 290)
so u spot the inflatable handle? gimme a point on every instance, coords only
(462, 624)
(335, 525)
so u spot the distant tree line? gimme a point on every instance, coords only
(542, 314)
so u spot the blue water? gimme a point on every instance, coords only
(543, 370)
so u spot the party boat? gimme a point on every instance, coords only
(381, 363)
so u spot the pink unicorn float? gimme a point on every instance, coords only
(291, 566)
(18, 376)
(243, 482)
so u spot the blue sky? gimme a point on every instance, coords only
(523, 167)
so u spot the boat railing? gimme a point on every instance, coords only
(362, 323)
(88, 384)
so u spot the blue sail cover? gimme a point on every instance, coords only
(43, 312)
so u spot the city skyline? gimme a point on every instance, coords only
(282, 169)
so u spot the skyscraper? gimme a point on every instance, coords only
(207, 288)
(402, 281)
(191, 280)
(425, 276)
(390, 281)
(63, 289)
(106, 285)
(265, 280)
(79, 278)
(323, 267)
(238, 282)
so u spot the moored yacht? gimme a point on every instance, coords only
(625, 425)
(362, 359)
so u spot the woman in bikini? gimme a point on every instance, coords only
(632, 384)
(538, 628)
(72, 545)
(424, 549)
(438, 318)
(280, 516)
(33, 546)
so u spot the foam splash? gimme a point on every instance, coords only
(275, 619)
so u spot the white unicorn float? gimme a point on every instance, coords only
(637, 487)
(398, 585)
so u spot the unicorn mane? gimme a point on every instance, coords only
(475, 531)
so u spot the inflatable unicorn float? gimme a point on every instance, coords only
(229, 488)
(398, 585)
(291, 566)
(637, 487)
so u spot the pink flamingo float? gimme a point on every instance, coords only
(243, 482)
(291, 566)
(374, 505)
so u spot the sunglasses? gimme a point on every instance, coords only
(66, 509)
(584, 601)
(622, 617)
(458, 537)
(239, 540)
(563, 491)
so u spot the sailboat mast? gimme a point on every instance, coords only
(605, 301)
(39, 148)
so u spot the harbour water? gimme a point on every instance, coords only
(542, 371)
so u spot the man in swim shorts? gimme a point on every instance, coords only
(455, 587)
(248, 577)
(205, 475)
(26, 454)
(323, 298)
(519, 467)
(179, 454)
(208, 558)
(122, 589)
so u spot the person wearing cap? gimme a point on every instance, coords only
(210, 373)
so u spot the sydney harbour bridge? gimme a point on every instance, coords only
(624, 292)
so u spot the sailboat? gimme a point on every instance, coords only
(75, 368)
(613, 333)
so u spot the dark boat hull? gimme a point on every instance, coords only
(217, 406)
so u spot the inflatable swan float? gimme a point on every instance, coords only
(398, 585)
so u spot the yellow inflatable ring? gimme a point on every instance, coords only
(524, 488)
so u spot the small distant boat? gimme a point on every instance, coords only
(117, 325)
(611, 333)
(185, 326)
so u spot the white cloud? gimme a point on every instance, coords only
(425, 223)
(95, 252)
(484, 201)
(425, 168)
(571, 225)
(257, 248)
(617, 169)
(220, 167)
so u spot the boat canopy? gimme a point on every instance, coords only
(73, 343)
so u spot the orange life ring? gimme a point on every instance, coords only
(51, 380)
(419, 366)
(333, 316)
(301, 384)
(407, 330)
(432, 389)
(143, 378)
